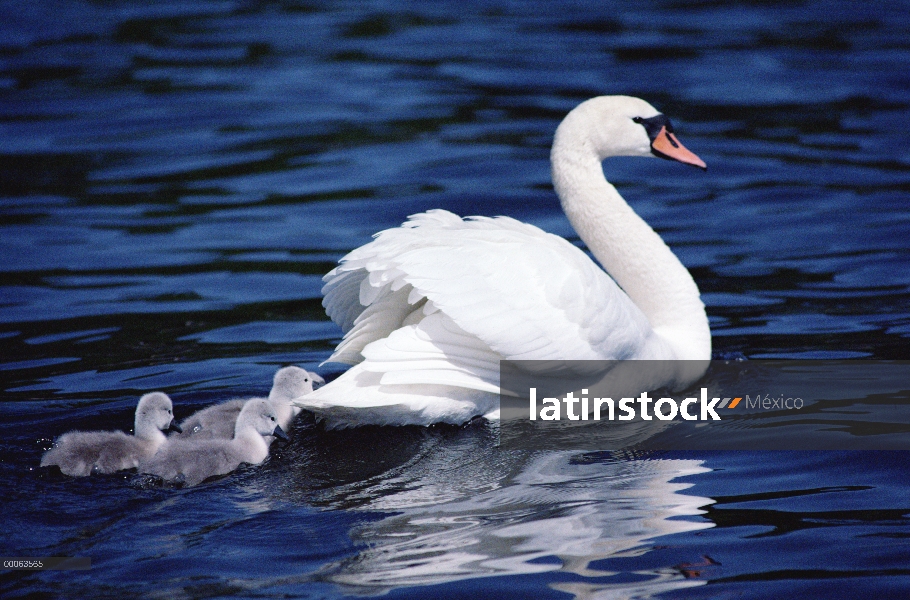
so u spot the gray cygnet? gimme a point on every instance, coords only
(81, 453)
(217, 421)
(192, 461)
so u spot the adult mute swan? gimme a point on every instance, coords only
(430, 308)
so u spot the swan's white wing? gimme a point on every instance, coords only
(525, 293)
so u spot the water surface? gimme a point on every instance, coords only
(176, 178)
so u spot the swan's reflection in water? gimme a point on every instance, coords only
(462, 508)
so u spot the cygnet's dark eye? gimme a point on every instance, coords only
(305, 379)
(272, 418)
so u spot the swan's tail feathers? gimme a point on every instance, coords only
(359, 397)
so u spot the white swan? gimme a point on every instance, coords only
(82, 453)
(218, 421)
(430, 308)
(191, 461)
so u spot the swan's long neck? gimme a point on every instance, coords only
(628, 249)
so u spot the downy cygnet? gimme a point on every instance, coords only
(191, 461)
(81, 453)
(217, 421)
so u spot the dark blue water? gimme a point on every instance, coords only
(176, 177)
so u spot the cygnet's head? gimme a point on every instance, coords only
(290, 383)
(155, 412)
(259, 415)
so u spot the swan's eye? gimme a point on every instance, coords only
(654, 125)
(169, 411)
(272, 418)
(305, 380)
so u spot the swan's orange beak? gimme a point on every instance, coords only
(665, 145)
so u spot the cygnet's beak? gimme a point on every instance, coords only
(280, 434)
(665, 145)
(174, 427)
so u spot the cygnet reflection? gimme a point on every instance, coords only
(81, 453)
